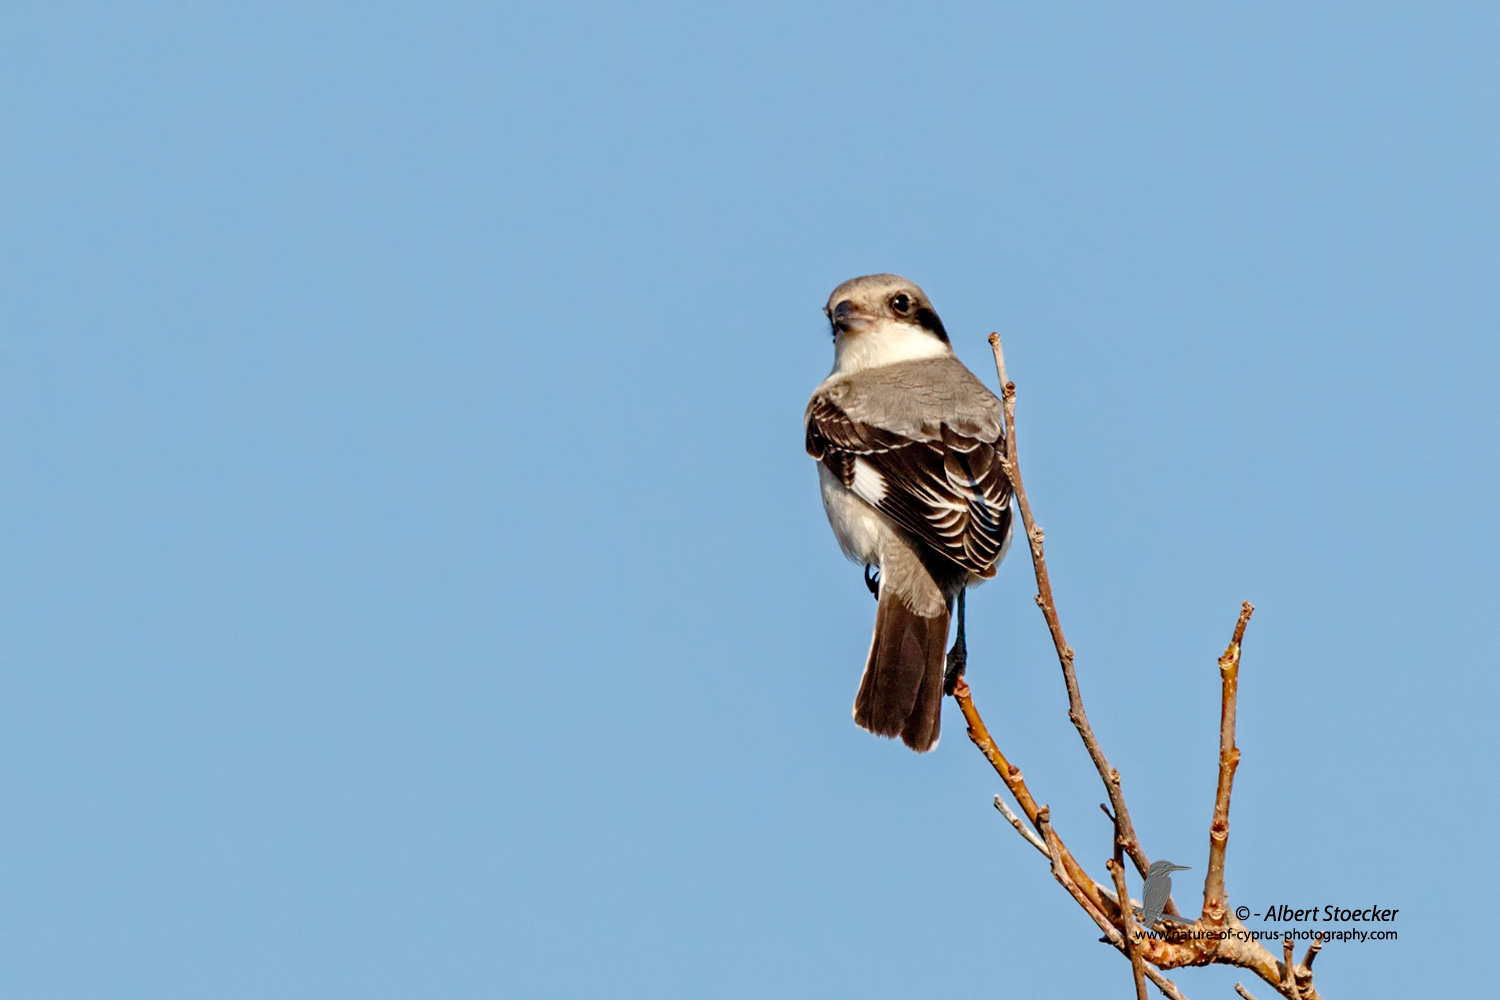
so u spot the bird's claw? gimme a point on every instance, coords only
(958, 659)
(872, 581)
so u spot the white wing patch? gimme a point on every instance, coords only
(869, 484)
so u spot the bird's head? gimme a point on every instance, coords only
(881, 319)
(1165, 868)
(862, 305)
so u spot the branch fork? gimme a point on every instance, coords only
(1111, 908)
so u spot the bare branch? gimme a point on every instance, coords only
(1312, 953)
(1240, 989)
(1166, 986)
(1045, 601)
(1099, 900)
(1056, 852)
(1214, 904)
(1303, 973)
(1015, 821)
(1127, 923)
(1148, 954)
(1116, 866)
(1011, 775)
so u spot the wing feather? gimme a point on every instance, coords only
(944, 483)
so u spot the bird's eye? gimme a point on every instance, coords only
(901, 302)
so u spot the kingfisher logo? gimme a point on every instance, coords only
(1159, 890)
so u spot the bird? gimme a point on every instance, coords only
(910, 447)
(1158, 890)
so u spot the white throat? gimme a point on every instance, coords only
(886, 343)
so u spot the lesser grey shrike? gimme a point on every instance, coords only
(909, 445)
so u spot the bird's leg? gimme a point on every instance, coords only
(958, 656)
(873, 582)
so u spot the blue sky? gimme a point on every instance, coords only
(414, 584)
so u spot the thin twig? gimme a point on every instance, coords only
(1312, 952)
(1289, 982)
(1303, 973)
(1015, 821)
(1046, 602)
(1240, 989)
(1112, 934)
(1214, 904)
(1011, 775)
(1102, 905)
(1166, 986)
(1055, 851)
(1116, 868)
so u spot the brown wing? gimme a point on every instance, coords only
(945, 485)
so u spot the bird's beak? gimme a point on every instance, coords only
(849, 318)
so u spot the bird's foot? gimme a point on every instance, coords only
(958, 658)
(872, 581)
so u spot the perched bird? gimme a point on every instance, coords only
(1158, 890)
(909, 444)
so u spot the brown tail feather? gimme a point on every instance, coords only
(921, 729)
(901, 693)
